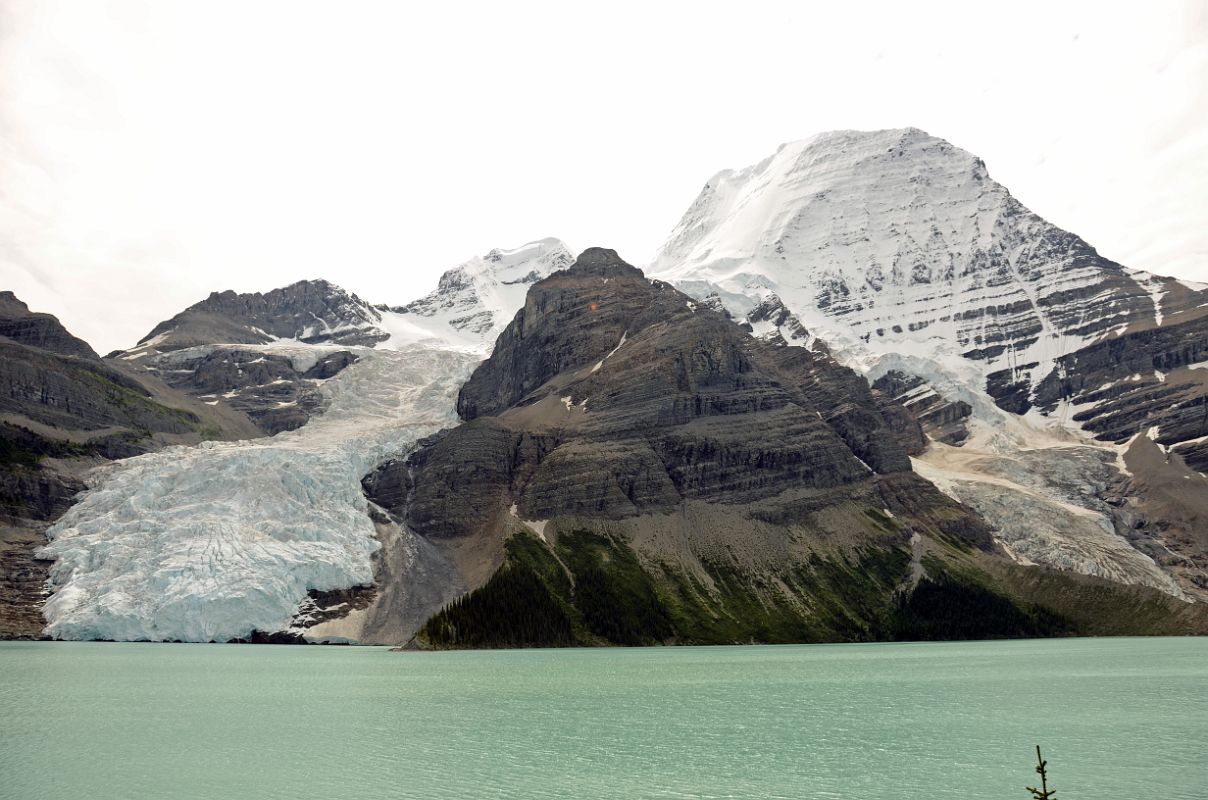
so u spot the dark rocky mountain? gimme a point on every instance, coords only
(199, 350)
(635, 399)
(44, 331)
(942, 419)
(636, 468)
(276, 390)
(313, 312)
(1152, 378)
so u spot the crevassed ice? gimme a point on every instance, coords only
(212, 542)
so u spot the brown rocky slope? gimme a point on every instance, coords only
(635, 468)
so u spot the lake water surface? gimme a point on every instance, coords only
(1117, 718)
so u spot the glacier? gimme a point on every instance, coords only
(209, 543)
(213, 542)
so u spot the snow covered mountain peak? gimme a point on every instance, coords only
(476, 299)
(760, 210)
(884, 241)
(912, 265)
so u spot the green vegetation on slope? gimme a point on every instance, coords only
(592, 589)
(22, 448)
(948, 609)
(140, 412)
(531, 600)
(614, 596)
(518, 607)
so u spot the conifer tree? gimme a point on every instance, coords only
(1044, 792)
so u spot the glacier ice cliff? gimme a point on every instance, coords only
(210, 543)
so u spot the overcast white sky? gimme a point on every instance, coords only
(152, 153)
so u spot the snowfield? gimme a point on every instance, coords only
(209, 543)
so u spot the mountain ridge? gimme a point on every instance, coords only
(869, 293)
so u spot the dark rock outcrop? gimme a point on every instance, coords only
(82, 394)
(943, 420)
(199, 350)
(610, 397)
(1136, 381)
(310, 311)
(43, 331)
(539, 344)
(268, 387)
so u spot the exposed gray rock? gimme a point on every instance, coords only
(942, 419)
(310, 311)
(44, 331)
(80, 394)
(610, 397)
(1139, 380)
(267, 387)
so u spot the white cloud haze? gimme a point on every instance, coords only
(153, 152)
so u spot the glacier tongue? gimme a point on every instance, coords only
(212, 542)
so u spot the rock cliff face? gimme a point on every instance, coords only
(1153, 378)
(55, 386)
(943, 420)
(611, 396)
(259, 355)
(275, 387)
(83, 394)
(44, 331)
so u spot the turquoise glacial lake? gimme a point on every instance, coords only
(1116, 718)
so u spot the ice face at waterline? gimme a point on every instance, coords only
(213, 542)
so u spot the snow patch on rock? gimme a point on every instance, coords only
(475, 301)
